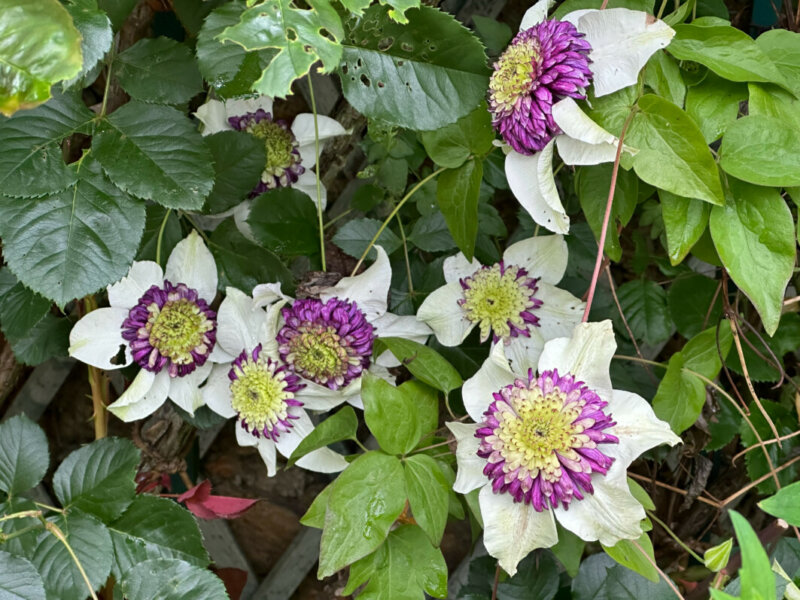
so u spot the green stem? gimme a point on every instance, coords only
(405, 255)
(337, 217)
(161, 235)
(19, 532)
(24, 514)
(53, 528)
(109, 63)
(319, 183)
(675, 537)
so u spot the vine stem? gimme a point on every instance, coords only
(675, 537)
(496, 581)
(606, 218)
(391, 216)
(664, 576)
(161, 235)
(53, 528)
(319, 183)
(98, 383)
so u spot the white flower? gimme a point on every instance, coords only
(257, 388)
(516, 300)
(556, 446)
(161, 321)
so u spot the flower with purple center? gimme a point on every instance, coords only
(161, 320)
(515, 301)
(554, 446)
(257, 388)
(532, 95)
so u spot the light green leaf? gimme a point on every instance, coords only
(99, 478)
(423, 362)
(762, 150)
(783, 49)
(365, 501)
(239, 160)
(457, 193)
(702, 353)
(663, 74)
(171, 579)
(388, 69)
(159, 70)
(628, 555)
(285, 221)
(315, 515)
(758, 580)
(340, 426)
(754, 236)
(428, 491)
(295, 33)
(568, 550)
(31, 163)
(784, 505)
(354, 236)
(771, 101)
(24, 455)
(679, 15)
(716, 558)
(644, 304)
(39, 46)
(391, 415)
(96, 35)
(714, 104)
(453, 144)
(73, 242)
(19, 579)
(672, 153)
(685, 220)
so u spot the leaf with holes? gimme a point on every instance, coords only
(302, 37)
(159, 70)
(422, 76)
(644, 304)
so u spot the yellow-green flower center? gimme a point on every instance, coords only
(278, 142)
(318, 354)
(259, 394)
(514, 74)
(178, 328)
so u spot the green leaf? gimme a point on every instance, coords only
(354, 236)
(20, 308)
(785, 422)
(423, 362)
(19, 579)
(494, 34)
(704, 355)
(155, 152)
(192, 14)
(663, 74)
(341, 426)
(89, 540)
(625, 553)
(171, 579)
(118, 10)
(24, 455)
(644, 304)
(599, 578)
(457, 193)
(754, 236)
(391, 415)
(31, 163)
(285, 221)
(592, 184)
(431, 234)
(99, 478)
(96, 35)
(690, 299)
(569, 550)
(758, 581)
(315, 515)
(762, 150)
(403, 568)
(428, 491)
(152, 227)
(452, 145)
(785, 340)
(672, 153)
(159, 70)
(296, 33)
(154, 527)
(714, 104)
(784, 505)
(771, 101)
(685, 220)
(679, 15)
(537, 578)
(388, 69)
(783, 49)
(73, 242)
(47, 339)
(243, 264)
(366, 499)
(40, 47)
(716, 558)
(239, 160)
(729, 52)
(227, 67)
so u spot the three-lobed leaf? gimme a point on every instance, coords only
(24, 456)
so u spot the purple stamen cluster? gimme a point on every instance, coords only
(540, 439)
(542, 65)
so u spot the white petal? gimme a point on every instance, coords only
(307, 183)
(470, 466)
(493, 375)
(531, 180)
(127, 291)
(213, 117)
(543, 256)
(318, 397)
(523, 352)
(637, 428)
(247, 439)
(303, 130)
(575, 152)
(535, 14)
(218, 355)
(146, 393)
(267, 293)
(587, 355)
(512, 530)
(217, 392)
(301, 427)
(191, 263)
(323, 460)
(576, 124)
(441, 312)
(264, 445)
(457, 267)
(609, 515)
(369, 290)
(238, 322)
(96, 339)
(241, 213)
(401, 326)
(241, 106)
(185, 391)
(559, 313)
(622, 41)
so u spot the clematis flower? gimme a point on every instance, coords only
(532, 93)
(515, 301)
(291, 151)
(258, 388)
(162, 322)
(554, 446)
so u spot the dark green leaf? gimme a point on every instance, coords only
(537, 578)
(762, 150)
(365, 501)
(24, 455)
(569, 550)
(285, 221)
(431, 234)
(388, 69)
(391, 415)
(758, 580)
(784, 505)
(785, 422)
(239, 160)
(159, 70)
(19, 579)
(95, 29)
(118, 10)
(171, 579)
(152, 228)
(47, 339)
(457, 193)
(155, 152)
(74, 242)
(452, 145)
(99, 478)
(20, 308)
(341, 426)
(423, 362)
(785, 340)
(494, 34)
(354, 236)
(600, 578)
(714, 104)
(644, 304)
(690, 304)
(427, 490)
(685, 220)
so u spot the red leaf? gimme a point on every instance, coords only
(200, 501)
